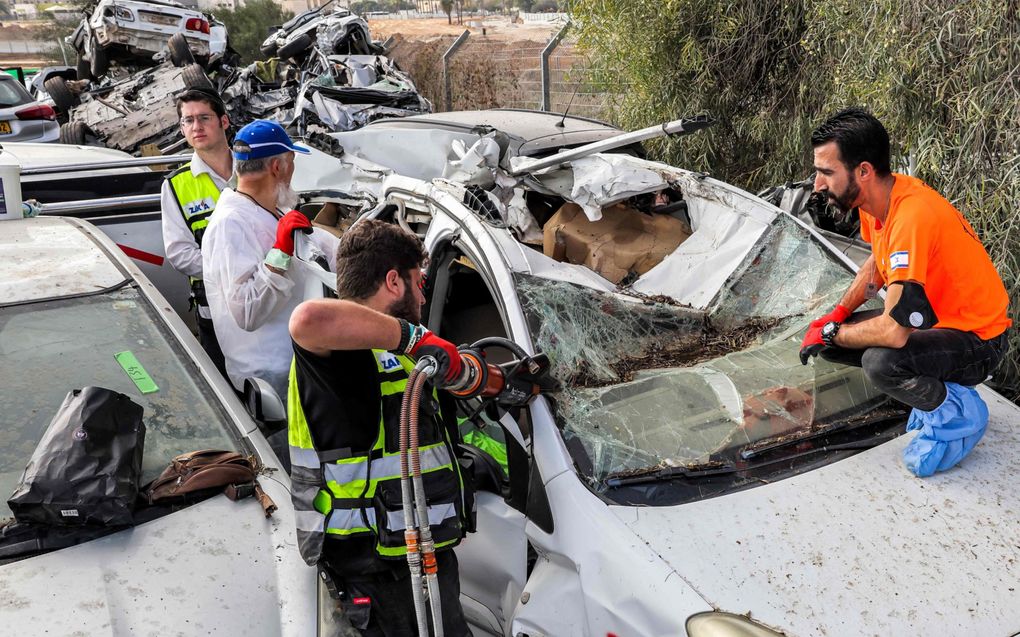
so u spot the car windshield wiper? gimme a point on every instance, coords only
(756, 449)
(711, 468)
(718, 468)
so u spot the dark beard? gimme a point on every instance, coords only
(845, 202)
(407, 308)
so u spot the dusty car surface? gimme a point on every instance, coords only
(132, 31)
(127, 211)
(68, 303)
(691, 475)
(22, 117)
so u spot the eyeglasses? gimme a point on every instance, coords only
(189, 120)
(423, 281)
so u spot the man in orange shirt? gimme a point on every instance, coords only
(943, 327)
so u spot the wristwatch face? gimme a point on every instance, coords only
(828, 329)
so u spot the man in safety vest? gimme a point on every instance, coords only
(351, 363)
(189, 196)
(943, 327)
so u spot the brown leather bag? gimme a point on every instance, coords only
(209, 469)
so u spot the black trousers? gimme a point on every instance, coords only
(207, 339)
(916, 373)
(391, 611)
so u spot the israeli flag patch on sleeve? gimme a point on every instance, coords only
(899, 260)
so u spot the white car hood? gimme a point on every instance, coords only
(218, 567)
(861, 546)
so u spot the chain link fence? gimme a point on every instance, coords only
(497, 73)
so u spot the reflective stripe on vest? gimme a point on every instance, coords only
(197, 197)
(337, 492)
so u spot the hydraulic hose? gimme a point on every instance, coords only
(410, 530)
(421, 555)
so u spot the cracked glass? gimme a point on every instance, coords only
(649, 384)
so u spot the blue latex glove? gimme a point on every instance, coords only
(947, 433)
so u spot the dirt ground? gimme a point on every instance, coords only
(495, 29)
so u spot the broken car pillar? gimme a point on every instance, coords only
(546, 54)
(446, 67)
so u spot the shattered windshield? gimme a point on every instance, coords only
(649, 384)
(50, 348)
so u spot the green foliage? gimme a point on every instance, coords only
(940, 74)
(248, 25)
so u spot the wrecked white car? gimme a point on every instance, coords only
(129, 113)
(330, 28)
(71, 305)
(132, 31)
(327, 93)
(691, 476)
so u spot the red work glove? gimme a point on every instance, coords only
(445, 353)
(812, 342)
(285, 228)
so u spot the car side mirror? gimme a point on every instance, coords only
(264, 405)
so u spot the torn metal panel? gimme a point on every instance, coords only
(599, 180)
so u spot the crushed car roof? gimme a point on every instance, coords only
(539, 132)
(51, 257)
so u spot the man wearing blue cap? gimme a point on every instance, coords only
(246, 254)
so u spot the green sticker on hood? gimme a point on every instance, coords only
(136, 372)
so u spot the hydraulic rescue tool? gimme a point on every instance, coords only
(507, 385)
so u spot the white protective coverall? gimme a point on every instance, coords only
(251, 305)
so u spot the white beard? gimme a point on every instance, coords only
(286, 198)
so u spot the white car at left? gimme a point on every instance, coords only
(70, 300)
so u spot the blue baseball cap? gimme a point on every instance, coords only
(263, 138)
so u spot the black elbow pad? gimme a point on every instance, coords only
(913, 310)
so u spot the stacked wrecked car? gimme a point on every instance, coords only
(323, 73)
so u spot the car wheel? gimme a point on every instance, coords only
(268, 50)
(194, 77)
(100, 61)
(73, 133)
(62, 96)
(180, 52)
(84, 69)
(295, 47)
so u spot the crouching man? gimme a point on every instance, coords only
(351, 363)
(943, 328)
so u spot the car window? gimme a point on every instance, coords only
(11, 93)
(652, 385)
(50, 348)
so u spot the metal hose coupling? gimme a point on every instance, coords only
(477, 378)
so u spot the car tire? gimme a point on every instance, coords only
(84, 69)
(180, 51)
(268, 50)
(295, 47)
(62, 96)
(194, 77)
(73, 133)
(100, 61)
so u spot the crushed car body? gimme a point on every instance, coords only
(330, 28)
(729, 483)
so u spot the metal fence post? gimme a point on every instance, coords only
(546, 53)
(446, 66)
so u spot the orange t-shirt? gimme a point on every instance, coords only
(925, 239)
